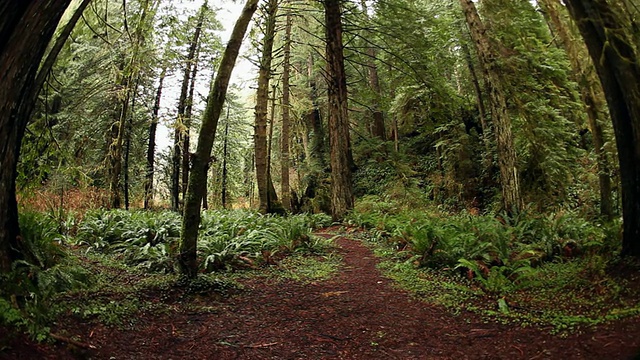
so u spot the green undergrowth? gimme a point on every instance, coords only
(112, 266)
(554, 270)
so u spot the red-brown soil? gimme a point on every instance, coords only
(357, 314)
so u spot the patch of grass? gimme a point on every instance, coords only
(307, 269)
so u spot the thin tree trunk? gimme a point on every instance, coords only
(314, 124)
(26, 27)
(284, 158)
(187, 129)
(132, 70)
(341, 186)
(197, 181)
(507, 159)
(224, 162)
(377, 124)
(272, 196)
(584, 76)
(262, 99)
(178, 144)
(151, 149)
(127, 146)
(617, 65)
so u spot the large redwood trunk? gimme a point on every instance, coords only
(341, 186)
(26, 27)
(616, 62)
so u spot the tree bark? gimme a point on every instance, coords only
(507, 159)
(187, 260)
(284, 149)
(584, 75)
(187, 128)
(224, 162)
(617, 66)
(26, 27)
(151, 149)
(262, 99)
(377, 116)
(130, 72)
(178, 135)
(339, 142)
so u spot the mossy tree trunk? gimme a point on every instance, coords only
(187, 259)
(616, 62)
(507, 159)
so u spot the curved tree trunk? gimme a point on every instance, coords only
(617, 65)
(26, 27)
(187, 260)
(341, 186)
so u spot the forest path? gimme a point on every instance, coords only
(356, 314)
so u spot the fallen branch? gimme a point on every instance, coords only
(72, 342)
(260, 345)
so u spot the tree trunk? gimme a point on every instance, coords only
(284, 158)
(262, 99)
(26, 27)
(151, 149)
(187, 128)
(128, 86)
(178, 135)
(377, 124)
(200, 163)
(617, 65)
(314, 124)
(127, 146)
(224, 162)
(339, 142)
(584, 76)
(507, 159)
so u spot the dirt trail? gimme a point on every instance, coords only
(358, 314)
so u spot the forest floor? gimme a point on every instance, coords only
(355, 314)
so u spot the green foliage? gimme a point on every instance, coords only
(28, 291)
(143, 239)
(227, 239)
(497, 251)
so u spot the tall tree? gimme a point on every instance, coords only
(151, 149)
(284, 157)
(377, 127)
(128, 80)
(179, 127)
(617, 64)
(187, 259)
(507, 160)
(339, 142)
(584, 75)
(26, 27)
(262, 99)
